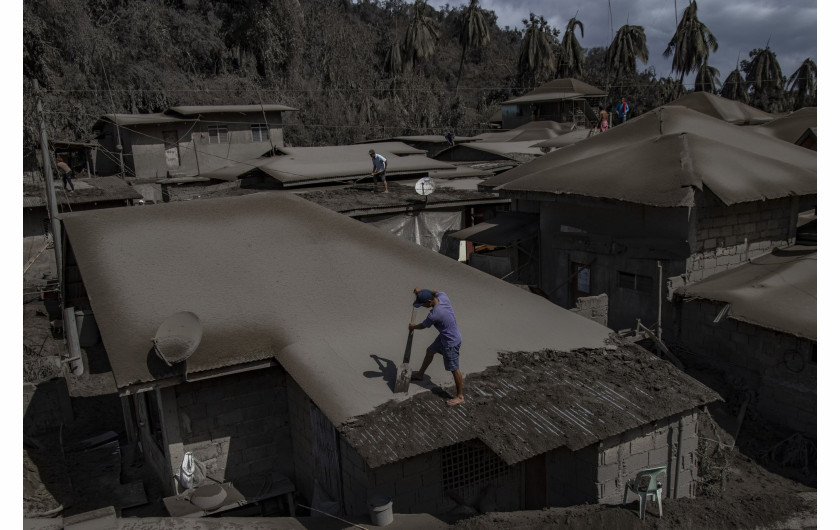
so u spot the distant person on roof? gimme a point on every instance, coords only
(622, 110)
(448, 341)
(380, 164)
(66, 173)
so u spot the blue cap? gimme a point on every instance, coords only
(423, 296)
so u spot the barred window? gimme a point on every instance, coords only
(637, 282)
(469, 466)
(259, 132)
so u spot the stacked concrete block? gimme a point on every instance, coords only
(779, 370)
(237, 425)
(593, 307)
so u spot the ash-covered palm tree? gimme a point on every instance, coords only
(536, 56)
(629, 44)
(803, 84)
(669, 90)
(570, 54)
(691, 44)
(420, 37)
(735, 87)
(708, 79)
(765, 79)
(474, 33)
(394, 59)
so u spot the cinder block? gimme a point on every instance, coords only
(641, 445)
(635, 463)
(658, 456)
(607, 472)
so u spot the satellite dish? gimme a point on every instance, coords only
(178, 337)
(425, 186)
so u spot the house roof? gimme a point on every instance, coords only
(503, 149)
(87, 191)
(663, 157)
(139, 119)
(305, 165)
(776, 291)
(503, 229)
(533, 403)
(558, 90)
(192, 110)
(273, 276)
(722, 108)
(533, 130)
(790, 128)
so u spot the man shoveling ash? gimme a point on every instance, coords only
(448, 341)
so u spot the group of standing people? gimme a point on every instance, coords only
(622, 110)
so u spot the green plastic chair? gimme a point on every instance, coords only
(646, 484)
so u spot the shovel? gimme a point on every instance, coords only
(404, 371)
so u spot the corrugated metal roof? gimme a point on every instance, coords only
(723, 109)
(192, 110)
(558, 90)
(776, 291)
(140, 119)
(662, 157)
(534, 403)
(790, 128)
(504, 229)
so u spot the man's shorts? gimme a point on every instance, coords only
(379, 176)
(451, 354)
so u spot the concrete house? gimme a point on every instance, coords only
(302, 331)
(562, 100)
(757, 324)
(186, 141)
(668, 199)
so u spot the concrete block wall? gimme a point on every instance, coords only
(236, 424)
(727, 236)
(593, 307)
(300, 426)
(415, 484)
(779, 368)
(599, 472)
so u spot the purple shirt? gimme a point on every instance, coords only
(442, 317)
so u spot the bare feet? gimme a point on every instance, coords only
(416, 376)
(457, 400)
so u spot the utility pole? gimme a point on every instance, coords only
(55, 225)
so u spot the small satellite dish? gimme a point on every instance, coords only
(425, 186)
(178, 337)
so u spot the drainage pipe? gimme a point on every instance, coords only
(679, 457)
(71, 335)
(659, 315)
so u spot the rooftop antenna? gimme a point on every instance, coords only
(177, 338)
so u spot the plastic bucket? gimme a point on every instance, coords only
(86, 324)
(380, 510)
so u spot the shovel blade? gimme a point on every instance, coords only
(403, 378)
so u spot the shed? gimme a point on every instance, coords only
(560, 100)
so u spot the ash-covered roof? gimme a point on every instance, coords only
(305, 165)
(361, 201)
(776, 291)
(558, 90)
(533, 403)
(88, 190)
(790, 128)
(722, 108)
(662, 157)
(192, 110)
(273, 276)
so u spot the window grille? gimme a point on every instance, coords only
(218, 134)
(470, 466)
(259, 132)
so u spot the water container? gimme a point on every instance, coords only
(380, 510)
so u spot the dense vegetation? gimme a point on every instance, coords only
(359, 70)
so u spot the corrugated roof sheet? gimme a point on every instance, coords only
(776, 291)
(503, 229)
(271, 275)
(534, 403)
(192, 110)
(662, 157)
(88, 190)
(790, 128)
(558, 90)
(722, 108)
(140, 119)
